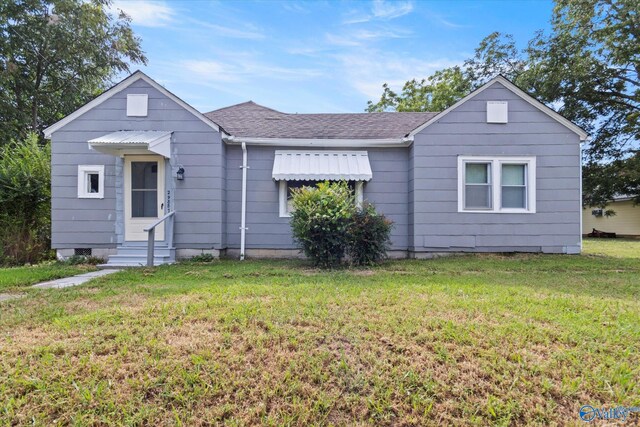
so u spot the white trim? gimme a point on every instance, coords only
(243, 214)
(320, 142)
(138, 75)
(83, 171)
(513, 88)
(496, 182)
(359, 193)
(133, 227)
(282, 199)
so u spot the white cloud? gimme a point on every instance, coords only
(146, 13)
(391, 10)
(381, 10)
(246, 31)
(367, 70)
(237, 68)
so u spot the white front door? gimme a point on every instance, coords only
(143, 196)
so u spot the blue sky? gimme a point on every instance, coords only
(321, 56)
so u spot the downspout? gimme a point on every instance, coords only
(243, 214)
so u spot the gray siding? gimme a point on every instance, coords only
(388, 189)
(438, 226)
(197, 200)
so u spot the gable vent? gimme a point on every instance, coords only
(497, 112)
(137, 105)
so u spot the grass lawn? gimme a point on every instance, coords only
(14, 278)
(502, 340)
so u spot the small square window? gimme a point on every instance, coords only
(90, 181)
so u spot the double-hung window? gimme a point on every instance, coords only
(496, 184)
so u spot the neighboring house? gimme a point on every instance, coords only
(496, 172)
(625, 222)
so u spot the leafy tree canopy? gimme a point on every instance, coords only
(55, 55)
(587, 67)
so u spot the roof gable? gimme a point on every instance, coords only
(138, 75)
(517, 91)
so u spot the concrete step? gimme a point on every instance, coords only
(136, 256)
(158, 251)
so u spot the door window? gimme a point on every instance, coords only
(144, 189)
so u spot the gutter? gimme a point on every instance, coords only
(243, 214)
(320, 142)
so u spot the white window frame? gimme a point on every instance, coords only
(282, 196)
(496, 182)
(83, 171)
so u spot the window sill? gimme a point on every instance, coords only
(500, 211)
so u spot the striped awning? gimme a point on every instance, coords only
(155, 141)
(321, 166)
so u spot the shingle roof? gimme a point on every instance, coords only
(255, 121)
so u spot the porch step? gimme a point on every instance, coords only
(136, 256)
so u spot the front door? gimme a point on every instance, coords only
(143, 196)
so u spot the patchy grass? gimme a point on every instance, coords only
(19, 277)
(474, 340)
(621, 248)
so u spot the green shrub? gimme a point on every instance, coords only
(82, 259)
(368, 236)
(320, 221)
(202, 258)
(25, 194)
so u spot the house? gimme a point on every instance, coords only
(625, 222)
(496, 172)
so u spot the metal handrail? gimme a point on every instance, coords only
(151, 239)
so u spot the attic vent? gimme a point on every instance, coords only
(137, 104)
(497, 112)
(272, 118)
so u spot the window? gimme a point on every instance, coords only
(91, 181)
(477, 182)
(286, 194)
(496, 184)
(144, 189)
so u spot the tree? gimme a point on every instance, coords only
(435, 93)
(587, 67)
(25, 191)
(590, 65)
(55, 55)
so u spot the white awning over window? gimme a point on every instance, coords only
(116, 143)
(321, 166)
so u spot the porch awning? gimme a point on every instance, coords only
(322, 165)
(116, 143)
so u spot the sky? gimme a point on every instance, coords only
(320, 56)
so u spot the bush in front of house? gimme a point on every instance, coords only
(368, 236)
(25, 200)
(320, 219)
(327, 225)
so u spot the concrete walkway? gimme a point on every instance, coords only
(67, 282)
(9, 297)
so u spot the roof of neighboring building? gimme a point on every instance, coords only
(252, 120)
